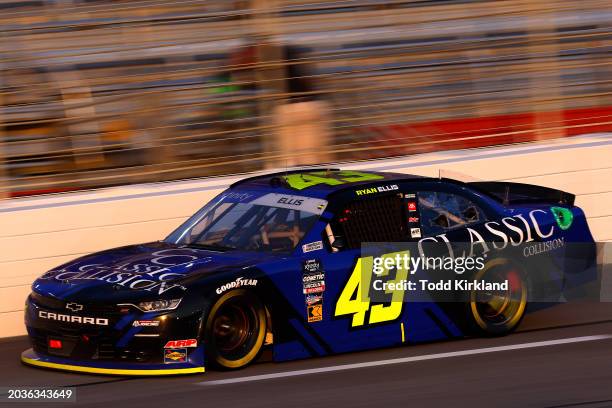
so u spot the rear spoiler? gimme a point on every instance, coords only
(518, 193)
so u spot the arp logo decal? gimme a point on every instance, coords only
(172, 356)
(181, 343)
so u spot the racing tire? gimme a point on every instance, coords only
(497, 313)
(235, 330)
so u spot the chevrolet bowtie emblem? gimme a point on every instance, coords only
(75, 307)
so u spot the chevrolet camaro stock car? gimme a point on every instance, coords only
(275, 263)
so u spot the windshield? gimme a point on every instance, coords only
(272, 222)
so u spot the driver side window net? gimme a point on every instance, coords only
(377, 220)
(441, 212)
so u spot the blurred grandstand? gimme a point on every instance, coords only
(97, 93)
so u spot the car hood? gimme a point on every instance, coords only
(152, 269)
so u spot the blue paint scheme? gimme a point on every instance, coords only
(166, 270)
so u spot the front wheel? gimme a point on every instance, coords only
(235, 330)
(498, 312)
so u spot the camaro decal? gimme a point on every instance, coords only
(97, 321)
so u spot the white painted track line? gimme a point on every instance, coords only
(404, 360)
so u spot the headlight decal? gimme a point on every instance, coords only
(159, 305)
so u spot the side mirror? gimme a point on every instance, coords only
(338, 243)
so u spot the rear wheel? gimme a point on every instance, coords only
(498, 312)
(235, 330)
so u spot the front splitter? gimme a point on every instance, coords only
(30, 357)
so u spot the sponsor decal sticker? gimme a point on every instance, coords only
(509, 231)
(379, 189)
(181, 343)
(312, 265)
(238, 196)
(151, 275)
(413, 219)
(563, 216)
(313, 281)
(239, 282)
(58, 317)
(415, 232)
(175, 356)
(315, 313)
(312, 246)
(412, 206)
(308, 204)
(290, 201)
(314, 288)
(145, 323)
(542, 247)
(313, 299)
(410, 195)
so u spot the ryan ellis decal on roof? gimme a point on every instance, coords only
(379, 189)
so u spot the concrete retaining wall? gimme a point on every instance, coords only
(39, 233)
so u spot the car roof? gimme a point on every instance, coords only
(319, 182)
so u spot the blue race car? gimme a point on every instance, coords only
(277, 262)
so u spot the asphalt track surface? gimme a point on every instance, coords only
(561, 357)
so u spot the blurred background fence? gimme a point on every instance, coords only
(98, 93)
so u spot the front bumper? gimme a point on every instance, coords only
(30, 357)
(119, 347)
